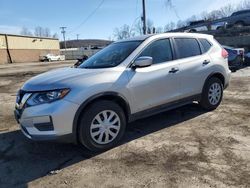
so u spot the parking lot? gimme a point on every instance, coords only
(185, 147)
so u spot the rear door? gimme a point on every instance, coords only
(193, 65)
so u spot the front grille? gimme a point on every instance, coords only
(20, 95)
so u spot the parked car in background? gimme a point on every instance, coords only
(202, 25)
(51, 57)
(247, 59)
(218, 25)
(128, 80)
(239, 19)
(196, 26)
(235, 57)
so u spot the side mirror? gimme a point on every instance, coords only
(143, 61)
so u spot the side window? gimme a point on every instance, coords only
(187, 47)
(206, 45)
(159, 50)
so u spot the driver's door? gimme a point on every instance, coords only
(157, 84)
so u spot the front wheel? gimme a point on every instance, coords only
(101, 126)
(212, 94)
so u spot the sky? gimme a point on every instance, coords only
(95, 19)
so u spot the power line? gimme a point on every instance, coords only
(88, 17)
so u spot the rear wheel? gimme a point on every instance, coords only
(101, 126)
(212, 94)
(239, 24)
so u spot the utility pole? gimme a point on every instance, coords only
(63, 32)
(77, 36)
(144, 18)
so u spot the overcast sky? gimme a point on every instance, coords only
(14, 14)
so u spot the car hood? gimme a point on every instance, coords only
(59, 78)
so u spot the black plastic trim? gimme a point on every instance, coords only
(48, 126)
(210, 76)
(164, 107)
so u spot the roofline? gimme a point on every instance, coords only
(28, 36)
(167, 34)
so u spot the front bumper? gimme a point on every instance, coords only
(51, 121)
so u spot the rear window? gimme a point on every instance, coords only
(187, 47)
(205, 44)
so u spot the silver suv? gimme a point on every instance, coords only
(91, 104)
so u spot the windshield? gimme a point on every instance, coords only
(112, 55)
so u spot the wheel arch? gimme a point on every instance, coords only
(239, 21)
(111, 96)
(216, 75)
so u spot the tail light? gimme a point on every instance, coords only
(224, 53)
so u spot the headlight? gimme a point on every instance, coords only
(46, 97)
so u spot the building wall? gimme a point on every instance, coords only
(32, 55)
(16, 42)
(26, 49)
(3, 56)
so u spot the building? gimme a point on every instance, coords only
(77, 48)
(18, 48)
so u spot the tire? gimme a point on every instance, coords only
(192, 31)
(219, 28)
(210, 101)
(239, 25)
(93, 134)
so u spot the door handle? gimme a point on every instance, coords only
(205, 62)
(174, 70)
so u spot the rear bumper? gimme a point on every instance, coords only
(227, 79)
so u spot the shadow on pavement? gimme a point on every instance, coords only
(23, 161)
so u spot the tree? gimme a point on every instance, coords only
(55, 36)
(227, 10)
(123, 32)
(169, 27)
(25, 31)
(244, 5)
(180, 24)
(159, 30)
(38, 31)
(138, 27)
(190, 19)
(47, 32)
(42, 32)
(150, 26)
